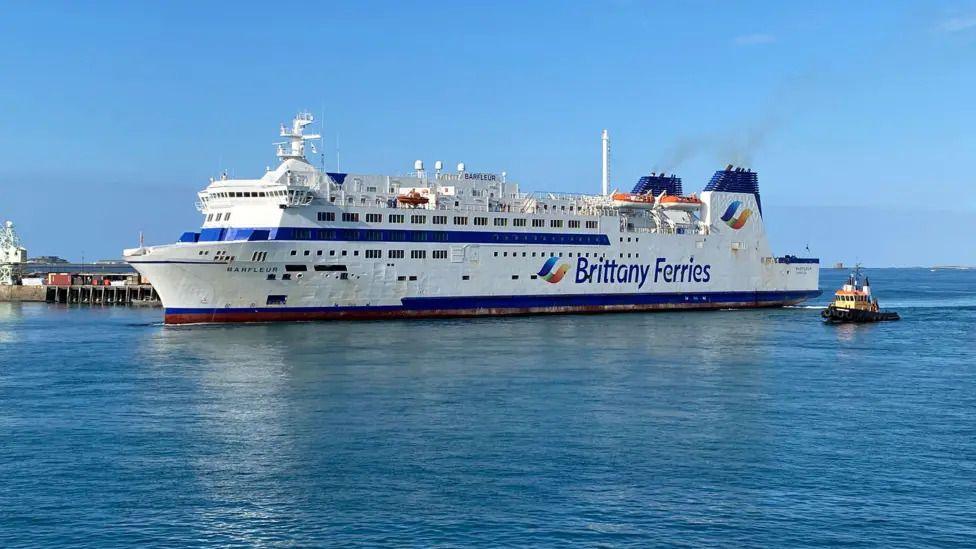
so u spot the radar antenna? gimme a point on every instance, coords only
(294, 147)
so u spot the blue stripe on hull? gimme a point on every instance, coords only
(530, 304)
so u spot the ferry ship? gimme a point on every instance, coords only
(303, 243)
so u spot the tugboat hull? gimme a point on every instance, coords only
(836, 315)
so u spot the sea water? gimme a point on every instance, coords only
(725, 428)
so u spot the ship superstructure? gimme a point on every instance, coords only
(302, 243)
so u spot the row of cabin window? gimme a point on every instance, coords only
(428, 236)
(287, 276)
(458, 220)
(560, 254)
(377, 254)
(220, 255)
(248, 194)
(224, 216)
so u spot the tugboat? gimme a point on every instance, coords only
(853, 303)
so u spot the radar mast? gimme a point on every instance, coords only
(295, 146)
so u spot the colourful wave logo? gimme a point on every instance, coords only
(736, 222)
(551, 276)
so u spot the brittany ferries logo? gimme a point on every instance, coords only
(736, 221)
(551, 276)
(608, 271)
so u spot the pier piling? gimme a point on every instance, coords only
(87, 294)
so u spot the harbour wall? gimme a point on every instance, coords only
(23, 293)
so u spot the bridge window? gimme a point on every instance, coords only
(591, 224)
(519, 222)
(440, 220)
(350, 217)
(556, 223)
(374, 218)
(460, 220)
(396, 218)
(418, 219)
(481, 221)
(501, 221)
(538, 222)
(574, 224)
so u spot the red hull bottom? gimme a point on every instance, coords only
(292, 315)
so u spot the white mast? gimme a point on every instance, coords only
(606, 163)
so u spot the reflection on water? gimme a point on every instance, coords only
(434, 405)
(9, 313)
(848, 332)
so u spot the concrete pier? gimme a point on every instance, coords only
(22, 293)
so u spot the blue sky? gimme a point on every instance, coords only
(858, 116)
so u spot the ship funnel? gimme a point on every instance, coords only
(657, 183)
(738, 180)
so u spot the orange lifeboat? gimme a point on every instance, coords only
(412, 198)
(628, 200)
(686, 203)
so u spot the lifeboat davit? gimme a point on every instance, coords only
(412, 198)
(684, 203)
(628, 200)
